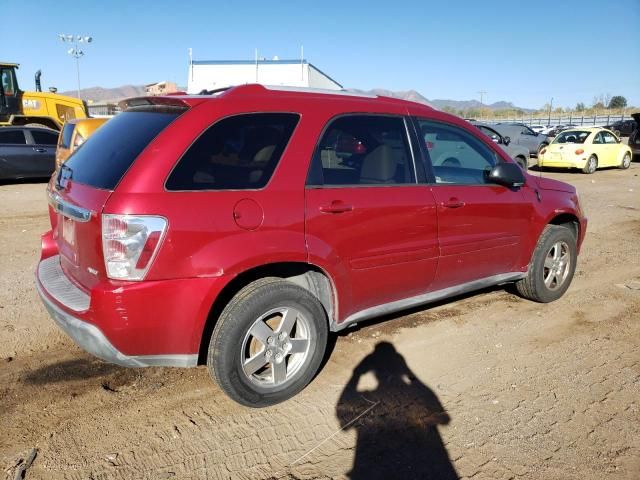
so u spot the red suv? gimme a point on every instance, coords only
(238, 229)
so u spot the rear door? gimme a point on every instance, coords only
(14, 154)
(366, 215)
(43, 144)
(481, 226)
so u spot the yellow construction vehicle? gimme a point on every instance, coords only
(40, 108)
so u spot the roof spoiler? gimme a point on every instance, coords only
(144, 103)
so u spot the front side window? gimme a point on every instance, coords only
(44, 138)
(363, 150)
(456, 156)
(609, 138)
(236, 153)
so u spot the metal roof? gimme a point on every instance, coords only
(299, 61)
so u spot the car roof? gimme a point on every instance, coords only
(284, 92)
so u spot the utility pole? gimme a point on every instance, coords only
(75, 51)
(482, 94)
(550, 108)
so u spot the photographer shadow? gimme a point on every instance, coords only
(396, 424)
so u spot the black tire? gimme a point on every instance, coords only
(626, 161)
(522, 162)
(533, 286)
(591, 166)
(228, 345)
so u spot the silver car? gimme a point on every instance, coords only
(524, 136)
(519, 153)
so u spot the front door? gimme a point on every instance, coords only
(481, 225)
(367, 220)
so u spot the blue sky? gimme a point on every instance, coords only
(524, 52)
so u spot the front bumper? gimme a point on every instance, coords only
(139, 324)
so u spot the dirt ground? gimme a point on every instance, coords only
(530, 391)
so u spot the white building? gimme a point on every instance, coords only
(213, 74)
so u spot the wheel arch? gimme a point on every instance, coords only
(568, 220)
(20, 120)
(308, 276)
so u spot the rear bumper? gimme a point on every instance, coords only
(134, 324)
(90, 338)
(542, 162)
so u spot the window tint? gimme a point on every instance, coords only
(12, 137)
(239, 152)
(456, 156)
(67, 133)
(113, 148)
(44, 138)
(363, 150)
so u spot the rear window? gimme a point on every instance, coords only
(239, 152)
(66, 134)
(107, 155)
(41, 137)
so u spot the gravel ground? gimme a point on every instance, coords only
(487, 386)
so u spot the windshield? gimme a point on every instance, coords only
(65, 137)
(105, 157)
(572, 136)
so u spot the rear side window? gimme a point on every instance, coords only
(107, 155)
(12, 137)
(65, 136)
(44, 138)
(363, 150)
(239, 152)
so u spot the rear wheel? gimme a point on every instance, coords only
(626, 161)
(591, 165)
(268, 342)
(552, 266)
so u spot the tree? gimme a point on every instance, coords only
(580, 107)
(618, 101)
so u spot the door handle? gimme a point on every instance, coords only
(40, 150)
(336, 207)
(453, 202)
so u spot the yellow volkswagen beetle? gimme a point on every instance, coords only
(587, 148)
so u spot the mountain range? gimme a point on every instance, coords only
(105, 95)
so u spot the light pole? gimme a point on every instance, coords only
(75, 51)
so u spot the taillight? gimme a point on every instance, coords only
(130, 243)
(543, 151)
(579, 151)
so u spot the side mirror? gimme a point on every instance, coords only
(508, 174)
(506, 141)
(495, 139)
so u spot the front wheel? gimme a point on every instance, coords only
(268, 342)
(626, 161)
(552, 266)
(591, 166)
(522, 163)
